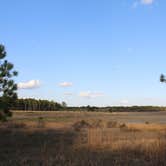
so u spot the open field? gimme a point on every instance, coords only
(83, 138)
(126, 117)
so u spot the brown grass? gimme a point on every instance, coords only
(98, 142)
(149, 127)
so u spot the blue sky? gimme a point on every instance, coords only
(87, 52)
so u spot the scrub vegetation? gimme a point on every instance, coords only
(82, 138)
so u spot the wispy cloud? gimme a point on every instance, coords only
(68, 94)
(29, 84)
(65, 84)
(89, 94)
(124, 101)
(147, 2)
(142, 2)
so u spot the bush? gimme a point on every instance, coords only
(123, 125)
(81, 124)
(112, 124)
(98, 124)
(8, 113)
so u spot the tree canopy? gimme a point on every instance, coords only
(162, 78)
(8, 88)
(30, 104)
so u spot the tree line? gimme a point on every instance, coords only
(118, 109)
(30, 104)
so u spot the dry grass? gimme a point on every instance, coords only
(91, 142)
(149, 127)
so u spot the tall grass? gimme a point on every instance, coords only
(96, 143)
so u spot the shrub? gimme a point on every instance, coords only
(112, 124)
(98, 124)
(81, 124)
(123, 125)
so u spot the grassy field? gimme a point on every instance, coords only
(83, 138)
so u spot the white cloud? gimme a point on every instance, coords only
(142, 2)
(29, 85)
(147, 2)
(124, 101)
(89, 94)
(66, 84)
(68, 94)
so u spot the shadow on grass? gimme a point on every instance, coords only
(57, 148)
(24, 147)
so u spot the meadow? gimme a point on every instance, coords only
(83, 138)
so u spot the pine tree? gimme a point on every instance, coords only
(162, 78)
(8, 87)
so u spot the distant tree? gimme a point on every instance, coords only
(31, 104)
(64, 105)
(162, 78)
(89, 108)
(7, 85)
